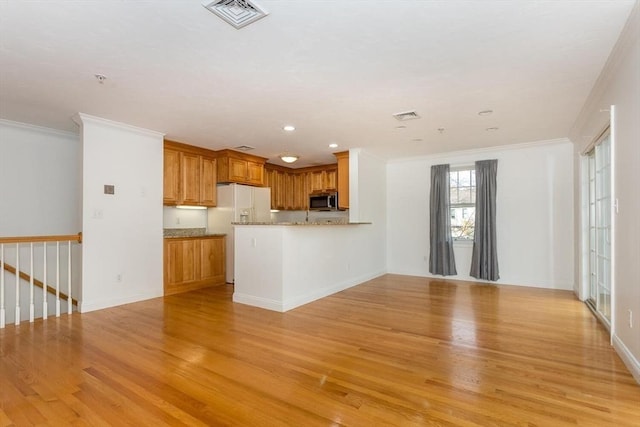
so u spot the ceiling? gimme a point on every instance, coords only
(336, 70)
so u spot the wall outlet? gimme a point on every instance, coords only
(119, 278)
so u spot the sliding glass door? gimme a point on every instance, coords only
(600, 228)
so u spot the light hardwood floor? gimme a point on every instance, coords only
(394, 351)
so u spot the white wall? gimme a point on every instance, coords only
(619, 86)
(534, 214)
(122, 233)
(40, 181)
(184, 218)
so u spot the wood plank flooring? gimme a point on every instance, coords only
(397, 350)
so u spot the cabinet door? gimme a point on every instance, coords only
(181, 263)
(300, 195)
(343, 180)
(316, 181)
(208, 182)
(171, 190)
(190, 183)
(212, 259)
(331, 180)
(237, 170)
(282, 190)
(255, 173)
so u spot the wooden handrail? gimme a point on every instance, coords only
(36, 239)
(24, 276)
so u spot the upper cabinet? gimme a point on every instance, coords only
(189, 175)
(288, 188)
(323, 179)
(343, 179)
(171, 177)
(240, 168)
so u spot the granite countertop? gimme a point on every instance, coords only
(301, 223)
(181, 233)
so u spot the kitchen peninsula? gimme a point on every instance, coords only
(280, 266)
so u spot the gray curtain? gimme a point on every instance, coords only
(441, 259)
(484, 262)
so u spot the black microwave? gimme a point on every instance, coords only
(323, 202)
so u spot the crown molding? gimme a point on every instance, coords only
(82, 118)
(41, 129)
(484, 150)
(628, 37)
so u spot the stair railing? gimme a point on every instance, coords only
(8, 244)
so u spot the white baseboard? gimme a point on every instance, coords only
(85, 307)
(266, 303)
(629, 360)
(297, 301)
(291, 303)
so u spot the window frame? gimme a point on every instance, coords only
(459, 168)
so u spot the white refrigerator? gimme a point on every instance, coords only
(234, 201)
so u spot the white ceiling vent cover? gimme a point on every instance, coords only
(407, 115)
(238, 13)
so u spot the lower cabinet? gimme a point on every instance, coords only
(193, 263)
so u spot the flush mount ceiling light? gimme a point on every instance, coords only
(238, 13)
(288, 128)
(244, 148)
(485, 112)
(288, 158)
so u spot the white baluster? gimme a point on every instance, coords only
(17, 322)
(2, 310)
(57, 279)
(69, 303)
(31, 285)
(45, 307)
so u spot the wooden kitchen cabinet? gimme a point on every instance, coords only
(189, 175)
(190, 179)
(343, 179)
(193, 263)
(181, 264)
(288, 188)
(212, 260)
(323, 180)
(208, 182)
(240, 168)
(171, 192)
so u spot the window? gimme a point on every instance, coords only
(462, 183)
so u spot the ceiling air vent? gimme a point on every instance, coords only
(407, 115)
(238, 13)
(244, 148)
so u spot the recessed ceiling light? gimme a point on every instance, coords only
(492, 129)
(417, 139)
(485, 112)
(401, 127)
(101, 78)
(333, 145)
(289, 128)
